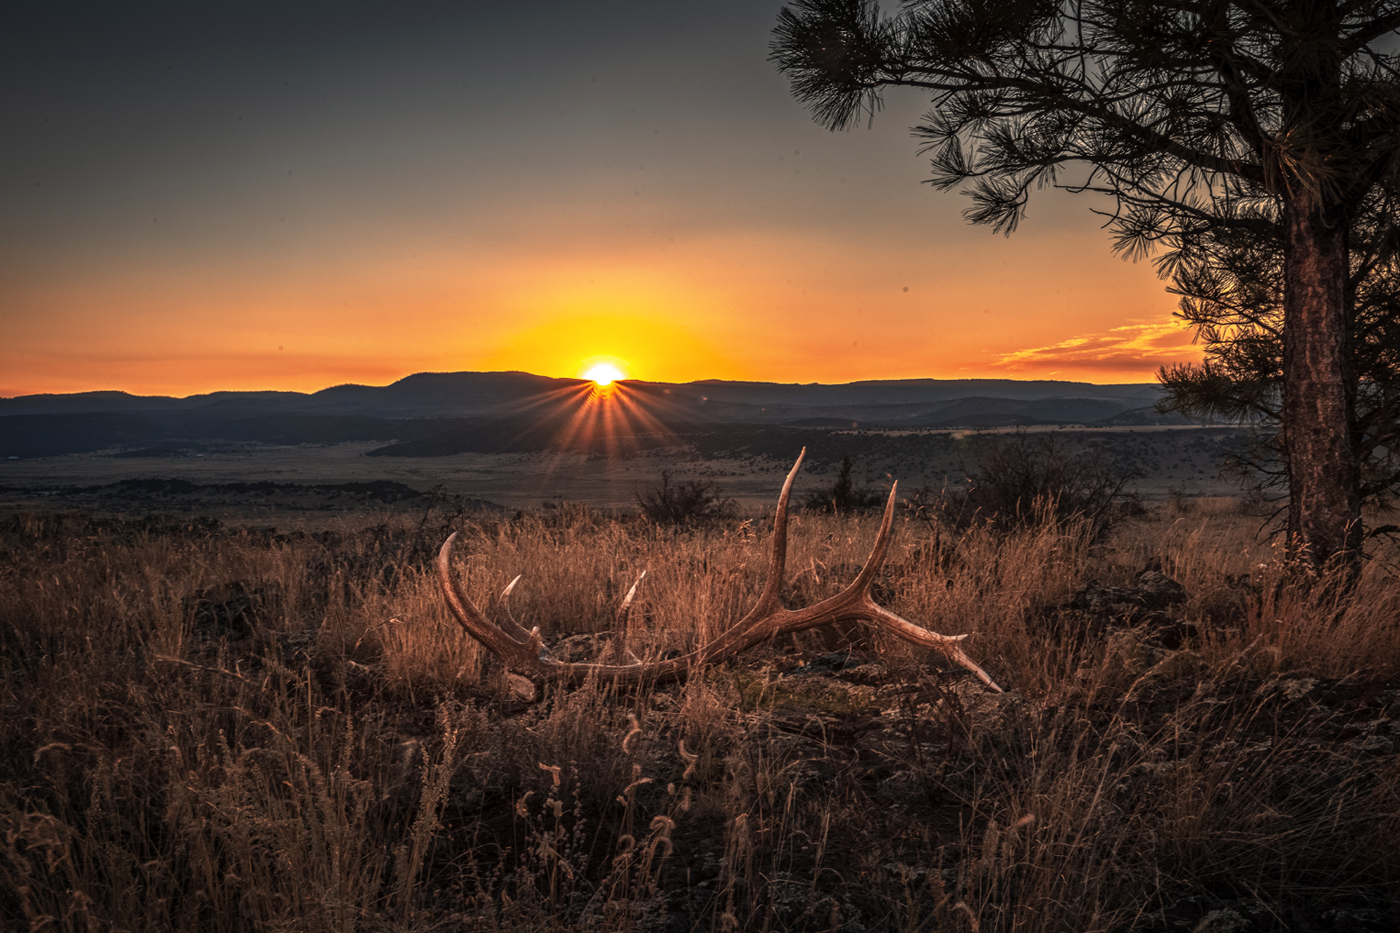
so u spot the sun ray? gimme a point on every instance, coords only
(603, 415)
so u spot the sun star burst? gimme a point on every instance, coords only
(603, 374)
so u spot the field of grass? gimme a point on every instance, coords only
(205, 726)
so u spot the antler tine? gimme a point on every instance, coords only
(866, 578)
(894, 623)
(512, 627)
(777, 561)
(516, 650)
(627, 600)
(768, 615)
(947, 645)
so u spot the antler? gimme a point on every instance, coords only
(524, 652)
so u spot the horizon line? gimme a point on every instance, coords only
(570, 379)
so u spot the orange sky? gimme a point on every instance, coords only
(784, 306)
(346, 226)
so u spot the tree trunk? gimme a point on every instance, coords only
(1324, 476)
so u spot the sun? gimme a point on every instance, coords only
(603, 373)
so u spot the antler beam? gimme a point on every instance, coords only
(524, 652)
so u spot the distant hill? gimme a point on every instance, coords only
(423, 395)
(1144, 416)
(436, 413)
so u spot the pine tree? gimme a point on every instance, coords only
(1195, 119)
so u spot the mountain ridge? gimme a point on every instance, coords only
(446, 412)
(464, 393)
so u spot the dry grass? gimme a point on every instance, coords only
(216, 729)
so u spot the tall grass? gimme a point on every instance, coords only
(228, 729)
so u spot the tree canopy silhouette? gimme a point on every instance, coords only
(1196, 119)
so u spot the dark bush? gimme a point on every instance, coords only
(689, 503)
(844, 496)
(1023, 479)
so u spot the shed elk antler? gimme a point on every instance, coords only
(524, 652)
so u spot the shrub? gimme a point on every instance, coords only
(844, 497)
(689, 503)
(1023, 479)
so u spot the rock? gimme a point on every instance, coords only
(1156, 590)
(1147, 601)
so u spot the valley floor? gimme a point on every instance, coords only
(744, 466)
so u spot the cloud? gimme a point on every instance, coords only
(1132, 347)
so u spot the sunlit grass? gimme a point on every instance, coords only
(207, 728)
